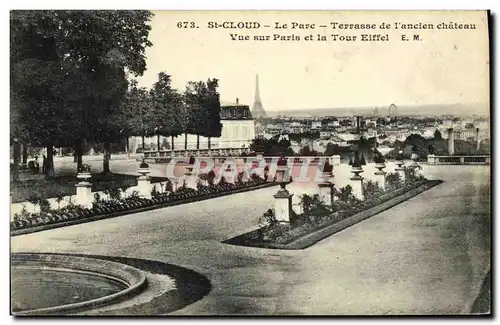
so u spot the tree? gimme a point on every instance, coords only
(214, 126)
(437, 135)
(136, 112)
(419, 144)
(70, 70)
(195, 96)
(272, 147)
(166, 105)
(306, 151)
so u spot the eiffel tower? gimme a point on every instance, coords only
(258, 109)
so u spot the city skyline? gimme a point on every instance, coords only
(444, 68)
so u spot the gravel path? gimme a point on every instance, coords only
(428, 255)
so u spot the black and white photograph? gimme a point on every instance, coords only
(250, 163)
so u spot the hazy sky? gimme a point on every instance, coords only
(445, 67)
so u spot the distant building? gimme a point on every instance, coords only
(316, 125)
(238, 130)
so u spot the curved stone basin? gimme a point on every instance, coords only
(59, 284)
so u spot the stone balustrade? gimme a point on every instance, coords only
(458, 160)
(214, 152)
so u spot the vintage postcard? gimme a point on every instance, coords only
(270, 163)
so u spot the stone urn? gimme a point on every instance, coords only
(83, 176)
(143, 169)
(399, 163)
(356, 170)
(380, 166)
(327, 171)
(84, 173)
(280, 171)
(280, 175)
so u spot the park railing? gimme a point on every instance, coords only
(458, 160)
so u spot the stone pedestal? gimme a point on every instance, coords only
(281, 174)
(335, 160)
(326, 192)
(431, 159)
(283, 205)
(143, 183)
(84, 194)
(400, 170)
(144, 186)
(380, 175)
(451, 142)
(357, 183)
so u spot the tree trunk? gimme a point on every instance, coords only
(50, 161)
(172, 143)
(75, 155)
(158, 141)
(25, 155)
(197, 141)
(185, 141)
(209, 142)
(127, 145)
(143, 146)
(17, 159)
(78, 154)
(107, 157)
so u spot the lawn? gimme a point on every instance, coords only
(64, 185)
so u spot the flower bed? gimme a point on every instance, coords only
(47, 219)
(305, 230)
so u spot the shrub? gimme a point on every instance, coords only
(255, 177)
(393, 180)
(124, 188)
(168, 186)
(199, 186)
(114, 194)
(154, 192)
(346, 195)
(59, 198)
(241, 177)
(268, 219)
(34, 198)
(372, 189)
(313, 206)
(211, 177)
(44, 205)
(266, 173)
(84, 168)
